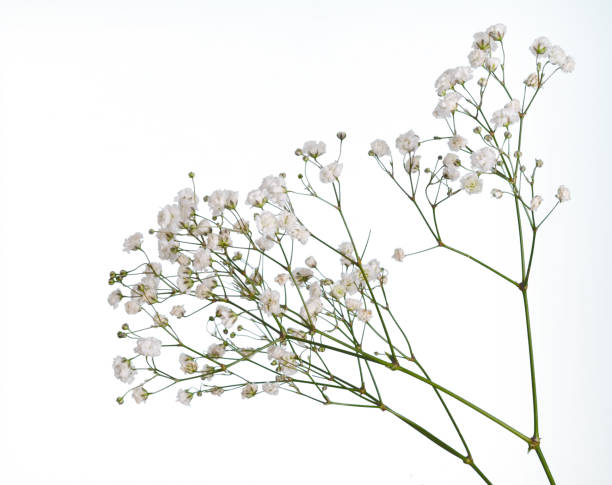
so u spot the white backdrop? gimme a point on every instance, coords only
(104, 109)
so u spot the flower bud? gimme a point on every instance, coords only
(341, 135)
(191, 175)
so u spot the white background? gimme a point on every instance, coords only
(105, 107)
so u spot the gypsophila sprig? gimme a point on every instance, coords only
(276, 322)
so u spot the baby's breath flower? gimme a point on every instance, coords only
(380, 148)
(484, 159)
(249, 391)
(456, 143)
(330, 172)
(496, 193)
(215, 350)
(399, 254)
(140, 394)
(133, 242)
(314, 149)
(407, 142)
(563, 194)
(271, 388)
(149, 347)
(184, 397)
(471, 183)
(540, 46)
(535, 203)
(269, 302)
(123, 370)
(114, 298)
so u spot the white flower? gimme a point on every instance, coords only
(160, 320)
(353, 304)
(178, 311)
(456, 143)
(330, 172)
(484, 42)
(380, 148)
(338, 291)
(249, 391)
(447, 105)
(205, 288)
(540, 46)
(140, 394)
(269, 302)
(133, 242)
(222, 199)
(266, 224)
(302, 275)
(492, 63)
(568, 65)
(114, 298)
(471, 183)
(477, 57)
(201, 259)
(271, 388)
(461, 75)
(215, 350)
(184, 397)
(412, 163)
(399, 254)
(203, 228)
(450, 173)
(132, 307)
(532, 80)
(484, 159)
(508, 115)
(556, 55)
(265, 243)
(563, 194)
(149, 347)
(187, 202)
(311, 262)
(535, 203)
(274, 189)
(497, 31)
(407, 142)
(217, 391)
(364, 315)
(282, 278)
(188, 364)
(123, 370)
(227, 316)
(314, 149)
(346, 249)
(256, 198)
(496, 193)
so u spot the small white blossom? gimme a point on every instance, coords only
(471, 183)
(563, 194)
(267, 224)
(140, 394)
(271, 388)
(412, 163)
(364, 315)
(492, 63)
(353, 304)
(215, 350)
(568, 65)
(184, 397)
(149, 347)
(535, 203)
(330, 172)
(133, 242)
(249, 391)
(282, 278)
(178, 311)
(496, 193)
(477, 57)
(380, 148)
(123, 370)
(222, 199)
(269, 302)
(407, 142)
(201, 259)
(114, 298)
(399, 254)
(447, 105)
(132, 307)
(540, 46)
(265, 243)
(227, 315)
(484, 159)
(188, 364)
(314, 149)
(311, 262)
(346, 249)
(497, 31)
(532, 81)
(456, 143)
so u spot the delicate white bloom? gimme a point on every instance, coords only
(496, 193)
(274, 189)
(123, 370)
(443, 83)
(364, 315)
(249, 391)
(535, 203)
(205, 288)
(178, 311)
(484, 159)
(312, 308)
(372, 270)
(266, 224)
(114, 298)
(456, 143)
(314, 149)
(497, 31)
(532, 80)
(256, 198)
(187, 202)
(227, 315)
(330, 172)
(203, 228)
(380, 148)
(346, 249)
(447, 105)
(556, 55)
(269, 302)
(568, 65)
(168, 249)
(183, 260)
(160, 320)
(201, 259)
(225, 239)
(265, 243)
(207, 372)
(477, 57)
(275, 352)
(471, 183)
(412, 163)
(149, 347)
(282, 278)
(315, 290)
(217, 391)
(540, 46)
(140, 394)
(188, 364)
(492, 63)
(563, 194)
(222, 199)
(271, 388)
(132, 307)
(311, 262)
(461, 75)
(484, 42)
(133, 242)
(399, 254)
(302, 275)
(169, 218)
(184, 397)
(353, 304)
(338, 291)
(215, 350)
(451, 173)
(407, 142)
(451, 160)
(300, 233)
(508, 115)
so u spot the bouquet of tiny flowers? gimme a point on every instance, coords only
(268, 317)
